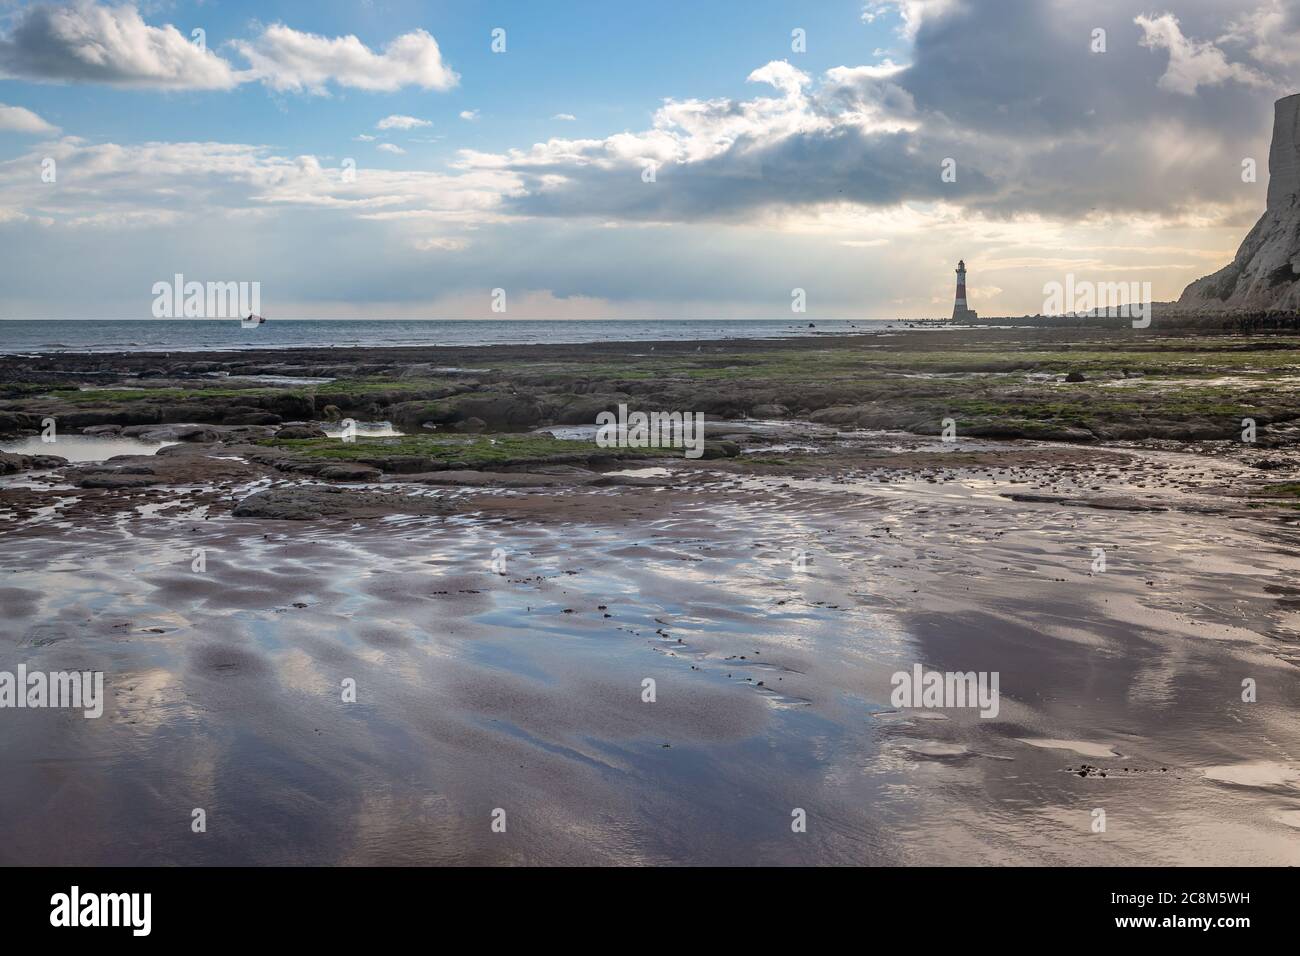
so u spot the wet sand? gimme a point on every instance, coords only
(522, 690)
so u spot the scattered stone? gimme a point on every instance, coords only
(350, 472)
(300, 431)
(469, 478)
(11, 463)
(311, 502)
(471, 425)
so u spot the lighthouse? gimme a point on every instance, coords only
(960, 313)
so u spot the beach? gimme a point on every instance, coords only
(494, 590)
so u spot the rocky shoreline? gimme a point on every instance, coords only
(1055, 384)
(499, 587)
(501, 417)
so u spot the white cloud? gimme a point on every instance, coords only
(107, 183)
(913, 13)
(867, 97)
(686, 132)
(440, 244)
(364, 138)
(1191, 63)
(566, 117)
(19, 120)
(287, 59)
(401, 122)
(782, 75)
(470, 115)
(683, 131)
(86, 43)
(1271, 33)
(391, 148)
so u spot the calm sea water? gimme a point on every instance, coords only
(164, 335)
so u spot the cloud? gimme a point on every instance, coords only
(1270, 33)
(289, 60)
(19, 120)
(86, 43)
(1054, 131)
(353, 235)
(1060, 134)
(831, 175)
(913, 13)
(1191, 63)
(782, 75)
(391, 148)
(470, 115)
(843, 138)
(198, 181)
(440, 244)
(401, 122)
(566, 117)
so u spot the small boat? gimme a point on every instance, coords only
(252, 320)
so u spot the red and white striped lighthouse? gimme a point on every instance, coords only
(959, 310)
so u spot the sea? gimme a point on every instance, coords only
(30, 336)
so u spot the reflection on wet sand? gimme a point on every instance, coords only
(518, 685)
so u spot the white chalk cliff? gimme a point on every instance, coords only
(1266, 271)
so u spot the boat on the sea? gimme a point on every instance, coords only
(252, 320)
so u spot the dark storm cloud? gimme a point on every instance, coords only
(843, 164)
(1036, 121)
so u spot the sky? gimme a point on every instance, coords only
(617, 160)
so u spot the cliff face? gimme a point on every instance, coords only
(1266, 271)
